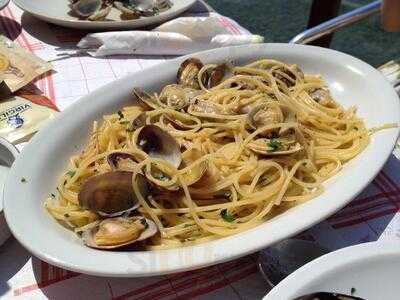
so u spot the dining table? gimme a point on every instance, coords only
(373, 215)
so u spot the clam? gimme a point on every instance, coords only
(157, 143)
(195, 173)
(118, 232)
(121, 161)
(181, 121)
(322, 96)
(271, 113)
(100, 14)
(144, 7)
(188, 71)
(162, 5)
(264, 114)
(139, 121)
(175, 96)
(111, 194)
(199, 107)
(275, 146)
(215, 76)
(127, 13)
(86, 8)
(288, 74)
(144, 99)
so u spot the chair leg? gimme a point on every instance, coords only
(322, 11)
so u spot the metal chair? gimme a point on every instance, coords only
(334, 24)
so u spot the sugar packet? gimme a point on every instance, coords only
(18, 67)
(24, 114)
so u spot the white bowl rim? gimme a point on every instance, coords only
(219, 248)
(330, 262)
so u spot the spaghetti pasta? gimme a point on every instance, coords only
(252, 140)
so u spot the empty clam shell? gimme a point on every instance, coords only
(86, 8)
(110, 194)
(118, 232)
(144, 99)
(157, 143)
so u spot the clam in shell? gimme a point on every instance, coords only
(111, 194)
(118, 232)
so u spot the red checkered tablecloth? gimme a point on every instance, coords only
(371, 216)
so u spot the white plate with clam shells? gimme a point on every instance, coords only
(37, 170)
(104, 14)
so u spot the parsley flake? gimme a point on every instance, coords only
(23, 180)
(227, 216)
(187, 225)
(352, 291)
(274, 144)
(52, 195)
(124, 122)
(120, 114)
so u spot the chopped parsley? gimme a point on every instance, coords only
(23, 180)
(120, 114)
(187, 225)
(227, 216)
(124, 122)
(71, 173)
(352, 291)
(52, 195)
(274, 144)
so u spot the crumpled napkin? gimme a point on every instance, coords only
(180, 36)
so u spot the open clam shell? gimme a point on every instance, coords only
(264, 114)
(157, 143)
(110, 194)
(114, 159)
(196, 173)
(119, 232)
(86, 8)
(145, 100)
(188, 71)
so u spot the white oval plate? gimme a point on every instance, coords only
(44, 159)
(371, 269)
(56, 11)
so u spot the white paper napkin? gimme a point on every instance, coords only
(177, 37)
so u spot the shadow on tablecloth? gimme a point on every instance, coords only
(9, 267)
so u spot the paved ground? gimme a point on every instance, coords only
(280, 20)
